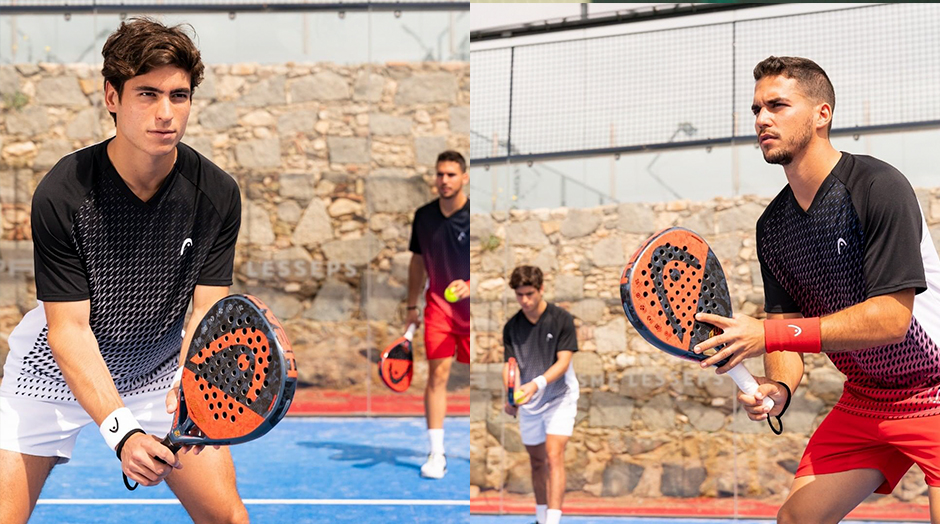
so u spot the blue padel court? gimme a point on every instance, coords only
(307, 469)
(517, 519)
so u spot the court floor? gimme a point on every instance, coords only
(517, 519)
(306, 469)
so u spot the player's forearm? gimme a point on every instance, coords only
(191, 328)
(875, 322)
(204, 297)
(76, 351)
(558, 369)
(784, 367)
(416, 278)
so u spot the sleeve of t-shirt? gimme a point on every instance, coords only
(893, 229)
(60, 272)
(567, 335)
(508, 352)
(219, 265)
(415, 245)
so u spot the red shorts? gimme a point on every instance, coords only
(845, 442)
(441, 339)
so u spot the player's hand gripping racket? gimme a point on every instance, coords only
(238, 379)
(673, 276)
(397, 364)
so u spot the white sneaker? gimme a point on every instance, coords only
(435, 467)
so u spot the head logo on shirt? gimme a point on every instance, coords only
(186, 243)
(839, 245)
(462, 235)
(548, 337)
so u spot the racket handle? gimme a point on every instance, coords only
(173, 447)
(745, 381)
(411, 332)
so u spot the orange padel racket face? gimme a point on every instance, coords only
(513, 380)
(239, 376)
(673, 276)
(396, 367)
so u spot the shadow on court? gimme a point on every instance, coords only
(370, 456)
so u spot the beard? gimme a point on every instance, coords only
(785, 153)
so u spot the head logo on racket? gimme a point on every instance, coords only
(396, 366)
(669, 279)
(238, 379)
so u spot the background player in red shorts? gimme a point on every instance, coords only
(849, 269)
(440, 241)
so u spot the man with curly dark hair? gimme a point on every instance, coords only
(126, 233)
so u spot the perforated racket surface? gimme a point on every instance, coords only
(512, 381)
(673, 276)
(669, 279)
(239, 376)
(396, 367)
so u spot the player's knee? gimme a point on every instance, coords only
(538, 463)
(789, 514)
(223, 514)
(239, 515)
(556, 459)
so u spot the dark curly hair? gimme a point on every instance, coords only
(526, 276)
(142, 45)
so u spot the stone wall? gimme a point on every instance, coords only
(648, 425)
(331, 160)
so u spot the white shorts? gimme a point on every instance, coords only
(49, 429)
(555, 419)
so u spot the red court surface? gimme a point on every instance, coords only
(882, 510)
(324, 403)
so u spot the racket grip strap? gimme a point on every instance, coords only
(117, 426)
(801, 335)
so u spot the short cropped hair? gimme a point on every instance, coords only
(811, 78)
(453, 156)
(142, 45)
(526, 276)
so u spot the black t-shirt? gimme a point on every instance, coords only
(536, 346)
(863, 236)
(136, 262)
(444, 245)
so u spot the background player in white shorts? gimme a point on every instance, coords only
(542, 338)
(126, 233)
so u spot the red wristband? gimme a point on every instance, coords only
(792, 334)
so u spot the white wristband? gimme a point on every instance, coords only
(116, 425)
(540, 382)
(178, 376)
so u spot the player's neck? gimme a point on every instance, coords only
(449, 206)
(807, 171)
(537, 314)
(143, 173)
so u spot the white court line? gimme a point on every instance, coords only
(295, 502)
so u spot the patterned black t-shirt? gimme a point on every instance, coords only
(863, 236)
(536, 346)
(136, 262)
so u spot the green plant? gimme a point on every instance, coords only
(16, 101)
(490, 243)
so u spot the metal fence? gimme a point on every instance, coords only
(693, 85)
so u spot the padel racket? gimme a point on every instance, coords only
(238, 379)
(397, 364)
(669, 279)
(512, 383)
